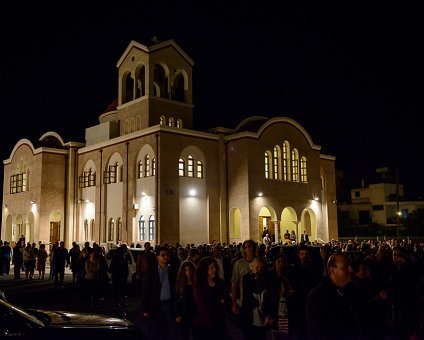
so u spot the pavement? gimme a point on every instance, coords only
(41, 294)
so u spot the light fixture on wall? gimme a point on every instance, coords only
(260, 194)
(32, 202)
(192, 192)
(5, 205)
(135, 206)
(80, 200)
(316, 198)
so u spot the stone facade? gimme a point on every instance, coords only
(145, 174)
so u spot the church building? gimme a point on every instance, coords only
(144, 174)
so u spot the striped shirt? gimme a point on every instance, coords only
(283, 320)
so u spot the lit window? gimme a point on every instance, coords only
(162, 120)
(190, 166)
(181, 167)
(266, 165)
(303, 170)
(141, 228)
(277, 162)
(119, 230)
(295, 165)
(111, 229)
(286, 161)
(171, 121)
(151, 228)
(147, 166)
(140, 169)
(179, 123)
(199, 172)
(153, 166)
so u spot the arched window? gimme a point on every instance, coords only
(179, 123)
(141, 82)
(141, 228)
(181, 167)
(140, 169)
(151, 228)
(128, 84)
(171, 121)
(147, 166)
(178, 88)
(154, 166)
(303, 170)
(268, 165)
(111, 230)
(295, 165)
(162, 120)
(286, 161)
(199, 170)
(277, 162)
(190, 166)
(160, 79)
(85, 230)
(119, 230)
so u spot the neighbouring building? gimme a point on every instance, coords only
(381, 203)
(144, 173)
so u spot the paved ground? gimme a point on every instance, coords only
(43, 295)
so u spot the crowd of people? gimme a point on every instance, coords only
(353, 290)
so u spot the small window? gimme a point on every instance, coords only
(140, 169)
(111, 229)
(141, 228)
(303, 170)
(199, 170)
(181, 167)
(267, 165)
(179, 123)
(190, 166)
(153, 166)
(151, 228)
(147, 166)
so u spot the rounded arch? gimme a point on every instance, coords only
(309, 223)
(197, 155)
(289, 221)
(140, 76)
(127, 84)
(20, 227)
(90, 165)
(160, 80)
(266, 221)
(9, 233)
(235, 224)
(180, 85)
(56, 232)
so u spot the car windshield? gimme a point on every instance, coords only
(21, 312)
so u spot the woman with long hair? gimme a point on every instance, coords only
(185, 306)
(210, 296)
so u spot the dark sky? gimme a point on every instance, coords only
(351, 74)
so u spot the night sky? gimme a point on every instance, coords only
(349, 73)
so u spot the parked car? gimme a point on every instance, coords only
(132, 262)
(50, 324)
(2, 296)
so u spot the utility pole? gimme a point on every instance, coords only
(398, 213)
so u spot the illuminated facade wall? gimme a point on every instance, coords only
(144, 174)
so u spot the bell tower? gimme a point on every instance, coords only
(155, 87)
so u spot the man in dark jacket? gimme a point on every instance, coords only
(158, 297)
(332, 308)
